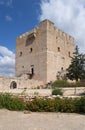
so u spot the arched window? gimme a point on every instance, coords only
(13, 85)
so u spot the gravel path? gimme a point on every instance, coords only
(12, 120)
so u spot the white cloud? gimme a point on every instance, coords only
(7, 61)
(68, 16)
(8, 18)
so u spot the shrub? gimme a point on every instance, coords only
(59, 83)
(64, 83)
(10, 103)
(67, 105)
(57, 91)
(46, 105)
(80, 84)
(57, 105)
(57, 102)
(80, 105)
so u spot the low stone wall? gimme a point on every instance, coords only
(68, 92)
(5, 83)
(71, 91)
(29, 85)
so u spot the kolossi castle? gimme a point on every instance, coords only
(42, 55)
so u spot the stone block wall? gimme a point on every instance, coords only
(43, 52)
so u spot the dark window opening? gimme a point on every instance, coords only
(30, 39)
(31, 50)
(58, 49)
(13, 85)
(69, 54)
(61, 68)
(20, 54)
(32, 71)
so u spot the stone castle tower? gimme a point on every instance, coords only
(43, 52)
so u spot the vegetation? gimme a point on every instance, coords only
(76, 69)
(61, 83)
(10, 103)
(76, 105)
(57, 91)
(64, 83)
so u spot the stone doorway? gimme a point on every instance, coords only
(13, 85)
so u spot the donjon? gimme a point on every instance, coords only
(44, 52)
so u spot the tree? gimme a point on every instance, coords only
(76, 70)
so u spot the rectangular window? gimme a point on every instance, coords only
(58, 49)
(20, 54)
(69, 54)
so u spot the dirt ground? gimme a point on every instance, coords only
(12, 120)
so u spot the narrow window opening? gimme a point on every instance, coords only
(20, 53)
(61, 68)
(32, 71)
(69, 54)
(31, 50)
(58, 49)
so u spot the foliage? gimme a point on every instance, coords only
(57, 105)
(67, 105)
(10, 103)
(76, 69)
(80, 105)
(80, 84)
(40, 104)
(60, 83)
(57, 91)
(64, 83)
(43, 104)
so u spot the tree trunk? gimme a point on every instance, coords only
(75, 88)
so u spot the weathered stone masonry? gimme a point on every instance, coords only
(43, 52)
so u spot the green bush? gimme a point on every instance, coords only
(10, 103)
(67, 105)
(80, 84)
(64, 83)
(80, 105)
(45, 105)
(57, 105)
(57, 102)
(57, 91)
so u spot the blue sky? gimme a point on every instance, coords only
(20, 16)
(17, 17)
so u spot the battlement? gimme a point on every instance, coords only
(28, 33)
(65, 36)
(60, 33)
